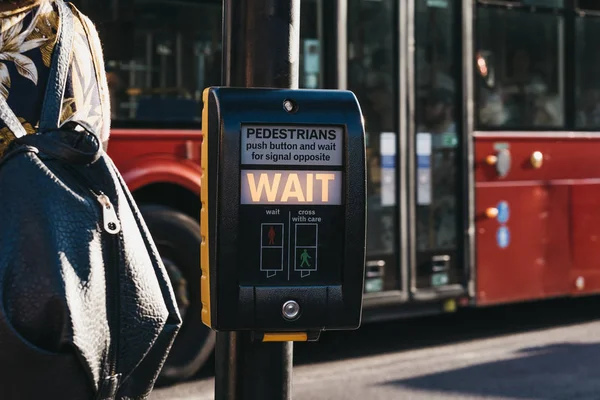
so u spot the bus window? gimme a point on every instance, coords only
(587, 63)
(437, 61)
(372, 76)
(588, 5)
(545, 3)
(519, 68)
(161, 54)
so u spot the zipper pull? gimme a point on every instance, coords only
(109, 215)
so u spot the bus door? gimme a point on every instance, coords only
(438, 267)
(373, 70)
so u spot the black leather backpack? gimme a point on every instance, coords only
(86, 307)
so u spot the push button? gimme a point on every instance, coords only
(290, 310)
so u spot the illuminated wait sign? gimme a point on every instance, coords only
(291, 187)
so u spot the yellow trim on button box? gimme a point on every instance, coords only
(204, 256)
(286, 337)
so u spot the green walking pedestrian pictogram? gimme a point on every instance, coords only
(304, 258)
(306, 248)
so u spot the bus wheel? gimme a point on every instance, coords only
(177, 237)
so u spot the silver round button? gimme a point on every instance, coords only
(290, 310)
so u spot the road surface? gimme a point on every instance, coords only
(553, 354)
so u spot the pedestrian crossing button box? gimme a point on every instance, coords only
(283, 211)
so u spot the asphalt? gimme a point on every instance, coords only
(548, 350)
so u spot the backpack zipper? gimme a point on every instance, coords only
(109, 215)
(111, 224)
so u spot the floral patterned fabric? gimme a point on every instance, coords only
(27, 39)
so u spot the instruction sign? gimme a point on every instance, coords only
(291, 197)
(291, 145)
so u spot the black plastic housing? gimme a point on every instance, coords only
(234, 303)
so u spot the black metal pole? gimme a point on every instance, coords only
(261, 43)
(260, 49)
(227, 366)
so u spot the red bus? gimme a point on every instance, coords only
(482, 119)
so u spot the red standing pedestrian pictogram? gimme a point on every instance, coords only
(271, 236)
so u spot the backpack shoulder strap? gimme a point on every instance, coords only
(59, 70)
(57, 79)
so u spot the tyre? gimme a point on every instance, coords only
(178, 239)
